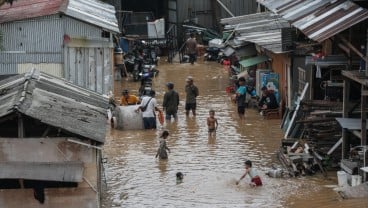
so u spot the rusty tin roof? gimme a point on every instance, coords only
(318, 19)
(91, 11)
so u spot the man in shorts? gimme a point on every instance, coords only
(192, 92)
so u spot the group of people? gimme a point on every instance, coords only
(148, 104)
(266, 102)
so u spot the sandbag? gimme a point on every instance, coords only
(127, 118)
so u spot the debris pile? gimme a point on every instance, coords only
(315, 137)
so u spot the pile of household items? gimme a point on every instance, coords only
(312, 137)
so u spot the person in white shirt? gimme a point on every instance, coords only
(255, 179)
(148, 107)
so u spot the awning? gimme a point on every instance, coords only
(318, 19)
(253, 61)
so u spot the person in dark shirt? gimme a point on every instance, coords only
(192, 93)
(268, 100)
(171, 102)
(241, 97)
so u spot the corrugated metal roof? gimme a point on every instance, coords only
(55, 102)
(318, 19)
(263, 29)
(91, 11)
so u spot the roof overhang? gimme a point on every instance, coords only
(318, 19)
(264, 29)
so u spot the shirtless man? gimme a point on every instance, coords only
(212, 124)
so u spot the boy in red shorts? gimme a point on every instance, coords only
(255, 179)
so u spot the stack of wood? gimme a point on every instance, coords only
(311, 148)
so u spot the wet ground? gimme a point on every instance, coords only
(211, 165)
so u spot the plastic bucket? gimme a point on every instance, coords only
(356, 180)
(342, 178)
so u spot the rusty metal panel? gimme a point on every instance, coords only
(26, 9)
(93, 12)
(318, 19)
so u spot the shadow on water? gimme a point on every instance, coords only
(210, 165)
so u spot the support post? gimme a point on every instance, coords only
(20, 126)
(345, 114)
(364, 118)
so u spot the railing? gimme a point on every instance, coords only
(182, 51)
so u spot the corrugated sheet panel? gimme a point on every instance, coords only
(318, 19)
(43, 34)
(6, 69)
(263, 29)
(76, 28)
(10, 58)
(239, 7)
(94, 12)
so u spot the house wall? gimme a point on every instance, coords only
(202, 11)
(52, 150)
(39, 43)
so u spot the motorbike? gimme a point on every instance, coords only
(212, 54)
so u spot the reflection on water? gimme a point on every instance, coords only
(135, 178)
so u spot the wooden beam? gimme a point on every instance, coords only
(225, 8)
(348, 44)
(345, 114)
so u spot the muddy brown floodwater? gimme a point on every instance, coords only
(134, 178)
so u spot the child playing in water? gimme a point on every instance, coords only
(255, 179)
(163, 147)
(179, 177)
(212, 124)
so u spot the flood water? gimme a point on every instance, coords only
(135, 178)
